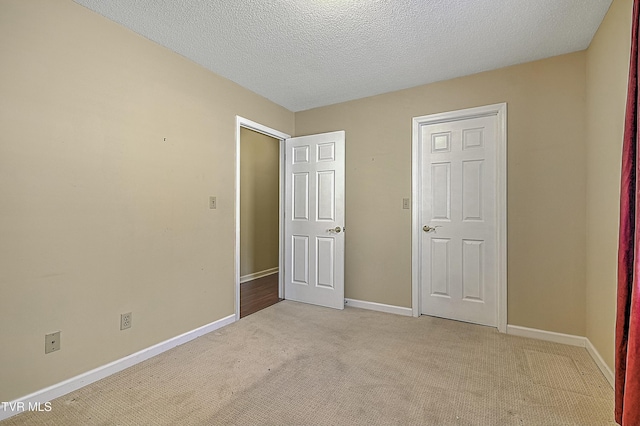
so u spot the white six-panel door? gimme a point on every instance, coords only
(458, 217)
(314, 219)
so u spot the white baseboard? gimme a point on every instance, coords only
(381, 307)
(259, 274)
(567, 339)
(550, 336)
(84, 379)
(608, 374)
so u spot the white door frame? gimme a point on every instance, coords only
(500, 111)
(252, 125)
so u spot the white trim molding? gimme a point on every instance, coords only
(549, 336)
(500, 111)
(566, 339)
(259, 274)
(55, 391)
(380, 307)
(260, 128)
(608, 374)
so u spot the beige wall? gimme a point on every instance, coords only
(109, 150)
(607, 72)
(546, 179)
(259, 199)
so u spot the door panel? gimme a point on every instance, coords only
(300, 264)
(441, 191)
(326, 196)
(459, 269)
(472, 270)
(301, 196)
(440, 269)
(326, 261)
(472, 190)
(314, 219)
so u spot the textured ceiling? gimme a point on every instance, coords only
(307, 53)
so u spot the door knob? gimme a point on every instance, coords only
(336, 230)
(428, 228)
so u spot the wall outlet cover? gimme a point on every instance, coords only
(125, 321)
(52, 342)
(212, 203)
(406, 203)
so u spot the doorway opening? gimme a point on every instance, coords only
(259, 221)
(258, 254)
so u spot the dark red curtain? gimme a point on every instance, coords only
(627, 375)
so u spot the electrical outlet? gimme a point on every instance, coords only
(406, 203)
(212, 202)
(52, 342)
(125, 321)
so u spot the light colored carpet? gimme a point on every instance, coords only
(296, 364)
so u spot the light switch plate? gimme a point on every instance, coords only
(406, 203)
(212, 202)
